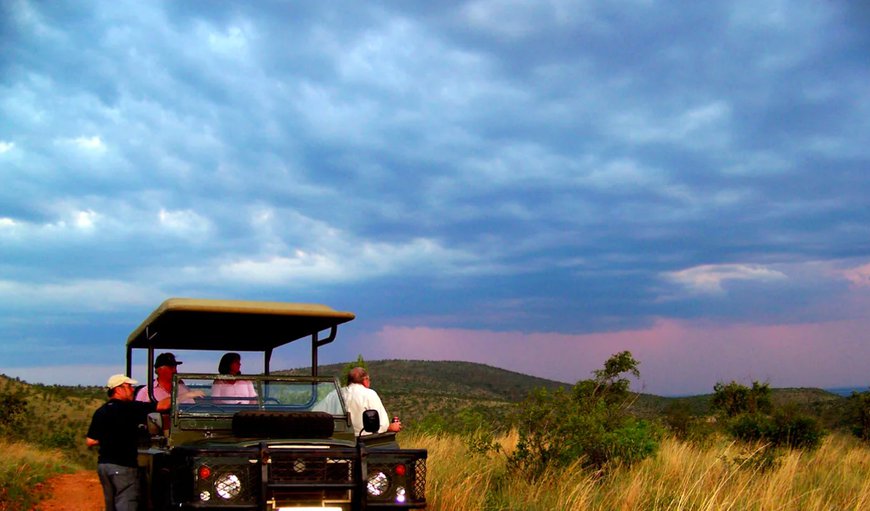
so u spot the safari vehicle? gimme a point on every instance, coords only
(292, 447)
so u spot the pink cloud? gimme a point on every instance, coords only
(859, 276)
(677, 357)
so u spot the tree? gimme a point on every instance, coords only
(733, 399)
(13, 420)
(591, 423)
(859, 414)
(359, 362)
(751, 417)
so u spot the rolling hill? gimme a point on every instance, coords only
(420, 390)
(446, 391)
(447, 394)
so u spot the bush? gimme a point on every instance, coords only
(750, 427)
(796, 430)
(14, 419)
(590, 423)
(681, 423)
(733, 399)
(785, 428)
(632, 442)
(432, 424)
(858, 415)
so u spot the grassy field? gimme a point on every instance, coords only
(718, 476)
(51, 416)
(23, 467)
(47, 437)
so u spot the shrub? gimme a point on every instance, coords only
(591, 423)
(785, 428)
(679, 420)
(793, 429)
(14, 419)
(750, 427)
(733, 399)
(858, 415)
(634, 441)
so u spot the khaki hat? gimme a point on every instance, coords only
(119, 379)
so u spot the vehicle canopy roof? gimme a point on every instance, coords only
(228, 325)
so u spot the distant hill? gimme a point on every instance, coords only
(446, 392)
(847, 391)
(825, 405)
(415, 389)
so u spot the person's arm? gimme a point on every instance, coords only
(395, 426)
(164, 404)
(94, 429)
(385, 424)
(188, 397)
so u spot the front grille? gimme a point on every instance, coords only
(311, 468)
(313, 478)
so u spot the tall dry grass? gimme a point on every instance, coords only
(22, 467)
(719, 476)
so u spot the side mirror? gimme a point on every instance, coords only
(371, 421)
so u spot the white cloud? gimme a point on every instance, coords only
(300, 267)
(86, 295)
(85, 219)
(348, 261)
(623, 174)
(94, 143)
(5, 147)
(511, 19)
(704, 126)
(232, 41)
(184, 222)
(708, 278)
(66, 374)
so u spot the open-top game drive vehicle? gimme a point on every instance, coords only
(291, 447)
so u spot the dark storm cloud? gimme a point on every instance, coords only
(567, 167)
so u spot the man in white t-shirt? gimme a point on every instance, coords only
(359, 397)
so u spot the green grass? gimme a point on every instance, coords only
(23, 467)
(53, 417)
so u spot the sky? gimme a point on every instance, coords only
(530, 184)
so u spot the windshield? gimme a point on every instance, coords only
(225, 395)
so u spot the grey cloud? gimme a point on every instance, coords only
(528, 165)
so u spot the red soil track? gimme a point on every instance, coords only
(79, 491)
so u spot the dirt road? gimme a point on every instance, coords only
(79, 491)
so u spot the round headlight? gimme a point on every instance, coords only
(378, 484)
(228, 486)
